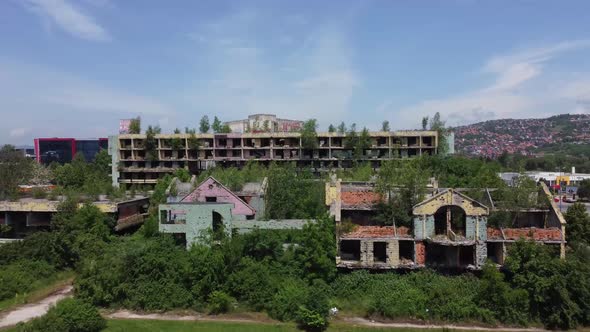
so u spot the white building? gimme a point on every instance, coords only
(264, 123)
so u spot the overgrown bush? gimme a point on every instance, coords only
(220, 302)
(22, 276)
(69, 315)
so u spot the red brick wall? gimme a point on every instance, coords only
(537, 234)
(420, 253)
(359, 198)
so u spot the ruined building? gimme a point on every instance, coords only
(449, 230)
(191, 210)
(135, 162)
(28, 215)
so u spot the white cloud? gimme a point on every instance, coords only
(518, 89)
(312, 76)
(69, 18)
(32, 86)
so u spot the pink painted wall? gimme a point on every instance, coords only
(210, 188)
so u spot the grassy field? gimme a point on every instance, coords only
(140, 325)
(46, 288)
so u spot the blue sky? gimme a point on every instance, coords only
(75, 67)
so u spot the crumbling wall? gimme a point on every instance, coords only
(423, 227)
(393, 253)
(481, 253)
(366, 253)
(483, 229)
(470, 226)
(420, 253)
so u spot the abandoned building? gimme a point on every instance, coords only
(28, 215)
(133, 164)
(191, 210)
(449, 230)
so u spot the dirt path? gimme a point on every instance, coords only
(125, 314)
(30, 311)
(371, 323)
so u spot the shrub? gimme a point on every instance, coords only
(286, 301)
(309, 320)
(69, 315)
(220, 302)
(21, 276)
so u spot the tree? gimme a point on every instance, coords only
(439, 126)
(15, 169)
(351, 138)
(578, 224)
(135, 125)
(216, 125)
(151, 143)
(584, 189)
(331, 129)
(403, 185)
(424, 123)
(309, 137)
(204, 125)
(363, 143)
(341, 128)
(225, 129)
(385, 126)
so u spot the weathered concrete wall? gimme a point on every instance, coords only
(393, 253)
(197, 218)
(419, 227)
(450, 197)
(423, 227)
(366, 253)
(470, 226)
(257, 203)
(212, 188)
(481, 254)
(244, 226)
(482, 232)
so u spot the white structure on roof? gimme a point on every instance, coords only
(263, 123)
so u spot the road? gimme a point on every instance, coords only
(30, 311)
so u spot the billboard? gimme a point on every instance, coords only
(124, 126)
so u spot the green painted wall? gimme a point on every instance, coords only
(193, 219)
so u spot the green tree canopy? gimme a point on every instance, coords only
(204, 125)
(135, 126)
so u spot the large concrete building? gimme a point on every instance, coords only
(134, 164)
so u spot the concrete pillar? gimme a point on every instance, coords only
(393, 253)
(366, 253)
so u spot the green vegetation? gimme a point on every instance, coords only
(135, 126)
(291, 275)
(309, 137)
(68, 315)
(293, 195)
(204, 125)
(15, 169)
(38, 289)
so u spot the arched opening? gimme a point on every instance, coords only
(450, 219)
(217, 222)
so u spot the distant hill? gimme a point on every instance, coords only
(522, 136)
